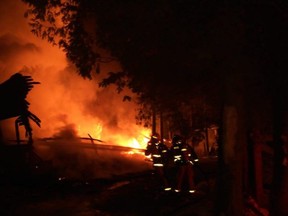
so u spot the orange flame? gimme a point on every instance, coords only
(63, 97)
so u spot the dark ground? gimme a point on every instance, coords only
(130, 194)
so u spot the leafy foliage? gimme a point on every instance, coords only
(153, 40)
(61, 23)
(170, 51)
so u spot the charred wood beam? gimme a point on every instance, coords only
(47, 141)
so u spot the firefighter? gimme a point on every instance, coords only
(184, 158)
(159, 153)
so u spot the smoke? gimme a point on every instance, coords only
(68, 105)
(63, 97)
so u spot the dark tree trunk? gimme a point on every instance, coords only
(154, 121)
(279, 108)
(232, 147)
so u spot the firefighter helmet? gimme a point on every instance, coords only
(154, 139)
(177, 139)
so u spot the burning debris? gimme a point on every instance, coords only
(13, 93)
(78, 160)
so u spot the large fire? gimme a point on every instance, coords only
(81, 124)
(64, 100)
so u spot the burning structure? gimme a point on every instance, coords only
(76, 115)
